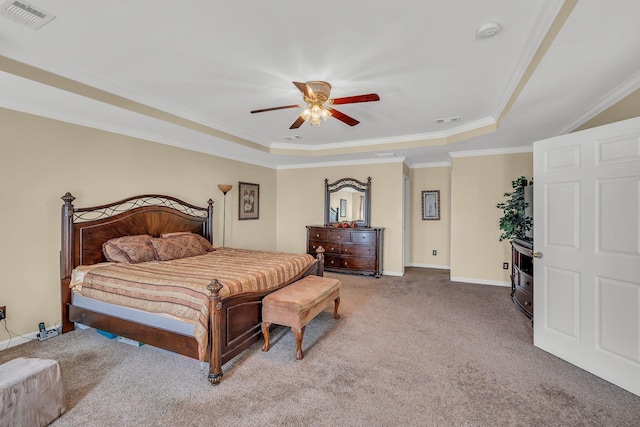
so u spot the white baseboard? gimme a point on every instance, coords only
(18, 340)
(393, 273)
(480, 281)
(438, 266)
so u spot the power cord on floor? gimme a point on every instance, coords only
(12, 334)
(4, 323)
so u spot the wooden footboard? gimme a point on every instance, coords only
(238, 321)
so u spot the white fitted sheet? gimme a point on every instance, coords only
(156, 320)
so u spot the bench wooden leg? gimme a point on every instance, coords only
(298, 332)
(335, 308)
(265, 332)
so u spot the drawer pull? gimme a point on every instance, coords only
(317, 234)
(333, 249)
(332, 261)
(527, 303)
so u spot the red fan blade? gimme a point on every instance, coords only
(353, 99)
(343, 117)
(277, 108)
(299, 121)
(305, 89)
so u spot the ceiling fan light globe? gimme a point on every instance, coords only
(316, 113)
(315, 120)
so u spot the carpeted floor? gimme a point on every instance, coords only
(417, 350)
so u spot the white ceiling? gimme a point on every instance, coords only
(188, 73)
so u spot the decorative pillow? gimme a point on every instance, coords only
(178, 246)
(202, 240)
(129, 249)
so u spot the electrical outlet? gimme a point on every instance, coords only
(505, 265)
(434, 253)
(3, 312)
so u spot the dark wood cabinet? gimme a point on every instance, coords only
(522, 276)
(348, 250)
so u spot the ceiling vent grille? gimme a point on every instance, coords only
(447, 120)
(25, 13)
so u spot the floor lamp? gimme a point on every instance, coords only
(225, 188)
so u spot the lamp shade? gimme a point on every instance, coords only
(225, 188)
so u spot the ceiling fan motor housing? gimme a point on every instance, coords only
(320, 89)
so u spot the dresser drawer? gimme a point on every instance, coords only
(357, 263)
(332, 261)
(524, 299)
(357, 250)
(526, 282)
(339, 236)
(363, 237)
(317, 234)
(332, 247)
(314, 245)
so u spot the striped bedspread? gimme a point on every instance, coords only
(179, 287)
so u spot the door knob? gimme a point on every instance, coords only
(537, 255)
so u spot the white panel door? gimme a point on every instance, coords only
(587, 230)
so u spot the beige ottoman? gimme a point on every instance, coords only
(31, 392)
(296, 304)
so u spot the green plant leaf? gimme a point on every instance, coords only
(514, 223)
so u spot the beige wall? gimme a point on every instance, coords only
(477, 185)
(626, 108)
(430, 235)
(42, 159)
(301, 203)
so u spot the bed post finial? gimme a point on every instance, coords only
(68, 198)
(215, 317)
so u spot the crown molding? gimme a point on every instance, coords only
(622, 91)
(430, 165)
(492, 152)
(342, 163)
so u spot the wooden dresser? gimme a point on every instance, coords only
(348, 250)
(522, 276)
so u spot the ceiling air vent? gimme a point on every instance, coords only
(25, 13)
(447, 120)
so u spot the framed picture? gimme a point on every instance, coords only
(343, 208)
(431, 204)
(249, 200)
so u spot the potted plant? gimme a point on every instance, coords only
(515, 223)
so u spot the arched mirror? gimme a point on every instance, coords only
(347, 201)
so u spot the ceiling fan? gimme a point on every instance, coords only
(318, 104)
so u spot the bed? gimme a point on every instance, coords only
(232, 311)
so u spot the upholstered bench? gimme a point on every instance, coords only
(296, 304)
(31, 392)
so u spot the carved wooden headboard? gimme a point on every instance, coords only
(84, 230)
